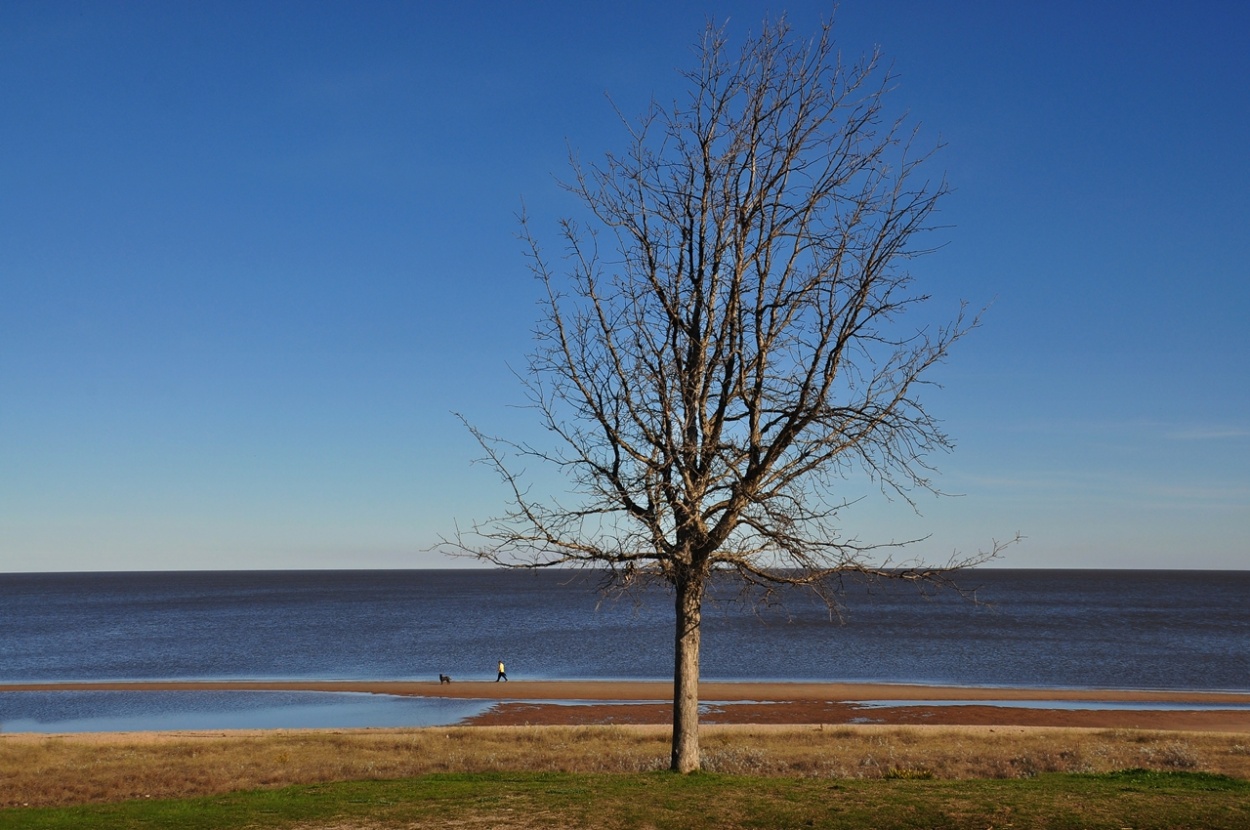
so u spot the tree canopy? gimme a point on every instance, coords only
(724, 339)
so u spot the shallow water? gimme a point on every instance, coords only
(56, 712)
(1067, 705)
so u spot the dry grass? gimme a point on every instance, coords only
(52, 770)
(960, 753)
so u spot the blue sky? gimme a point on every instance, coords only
(254, 255)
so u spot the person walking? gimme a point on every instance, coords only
(503, 675)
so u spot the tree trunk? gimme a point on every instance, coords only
(686, 675)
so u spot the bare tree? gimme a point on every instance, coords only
(723, 347)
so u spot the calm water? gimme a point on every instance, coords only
(1162, 629)
(148, 711)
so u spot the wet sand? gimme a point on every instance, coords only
(522, 702)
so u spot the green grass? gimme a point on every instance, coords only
(1132, 799)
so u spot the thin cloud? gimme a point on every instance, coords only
(1209, 434)
(1169, 431)
(1076, 485)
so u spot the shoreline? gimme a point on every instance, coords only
(648, 703)
(657, 690)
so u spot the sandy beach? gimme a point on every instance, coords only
(521, 702)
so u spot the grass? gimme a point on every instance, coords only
(514, 801)
(80, 769)
(610, 777)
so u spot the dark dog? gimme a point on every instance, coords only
(442, 678)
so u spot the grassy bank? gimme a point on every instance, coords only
(1137, 799)
(85, 769)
